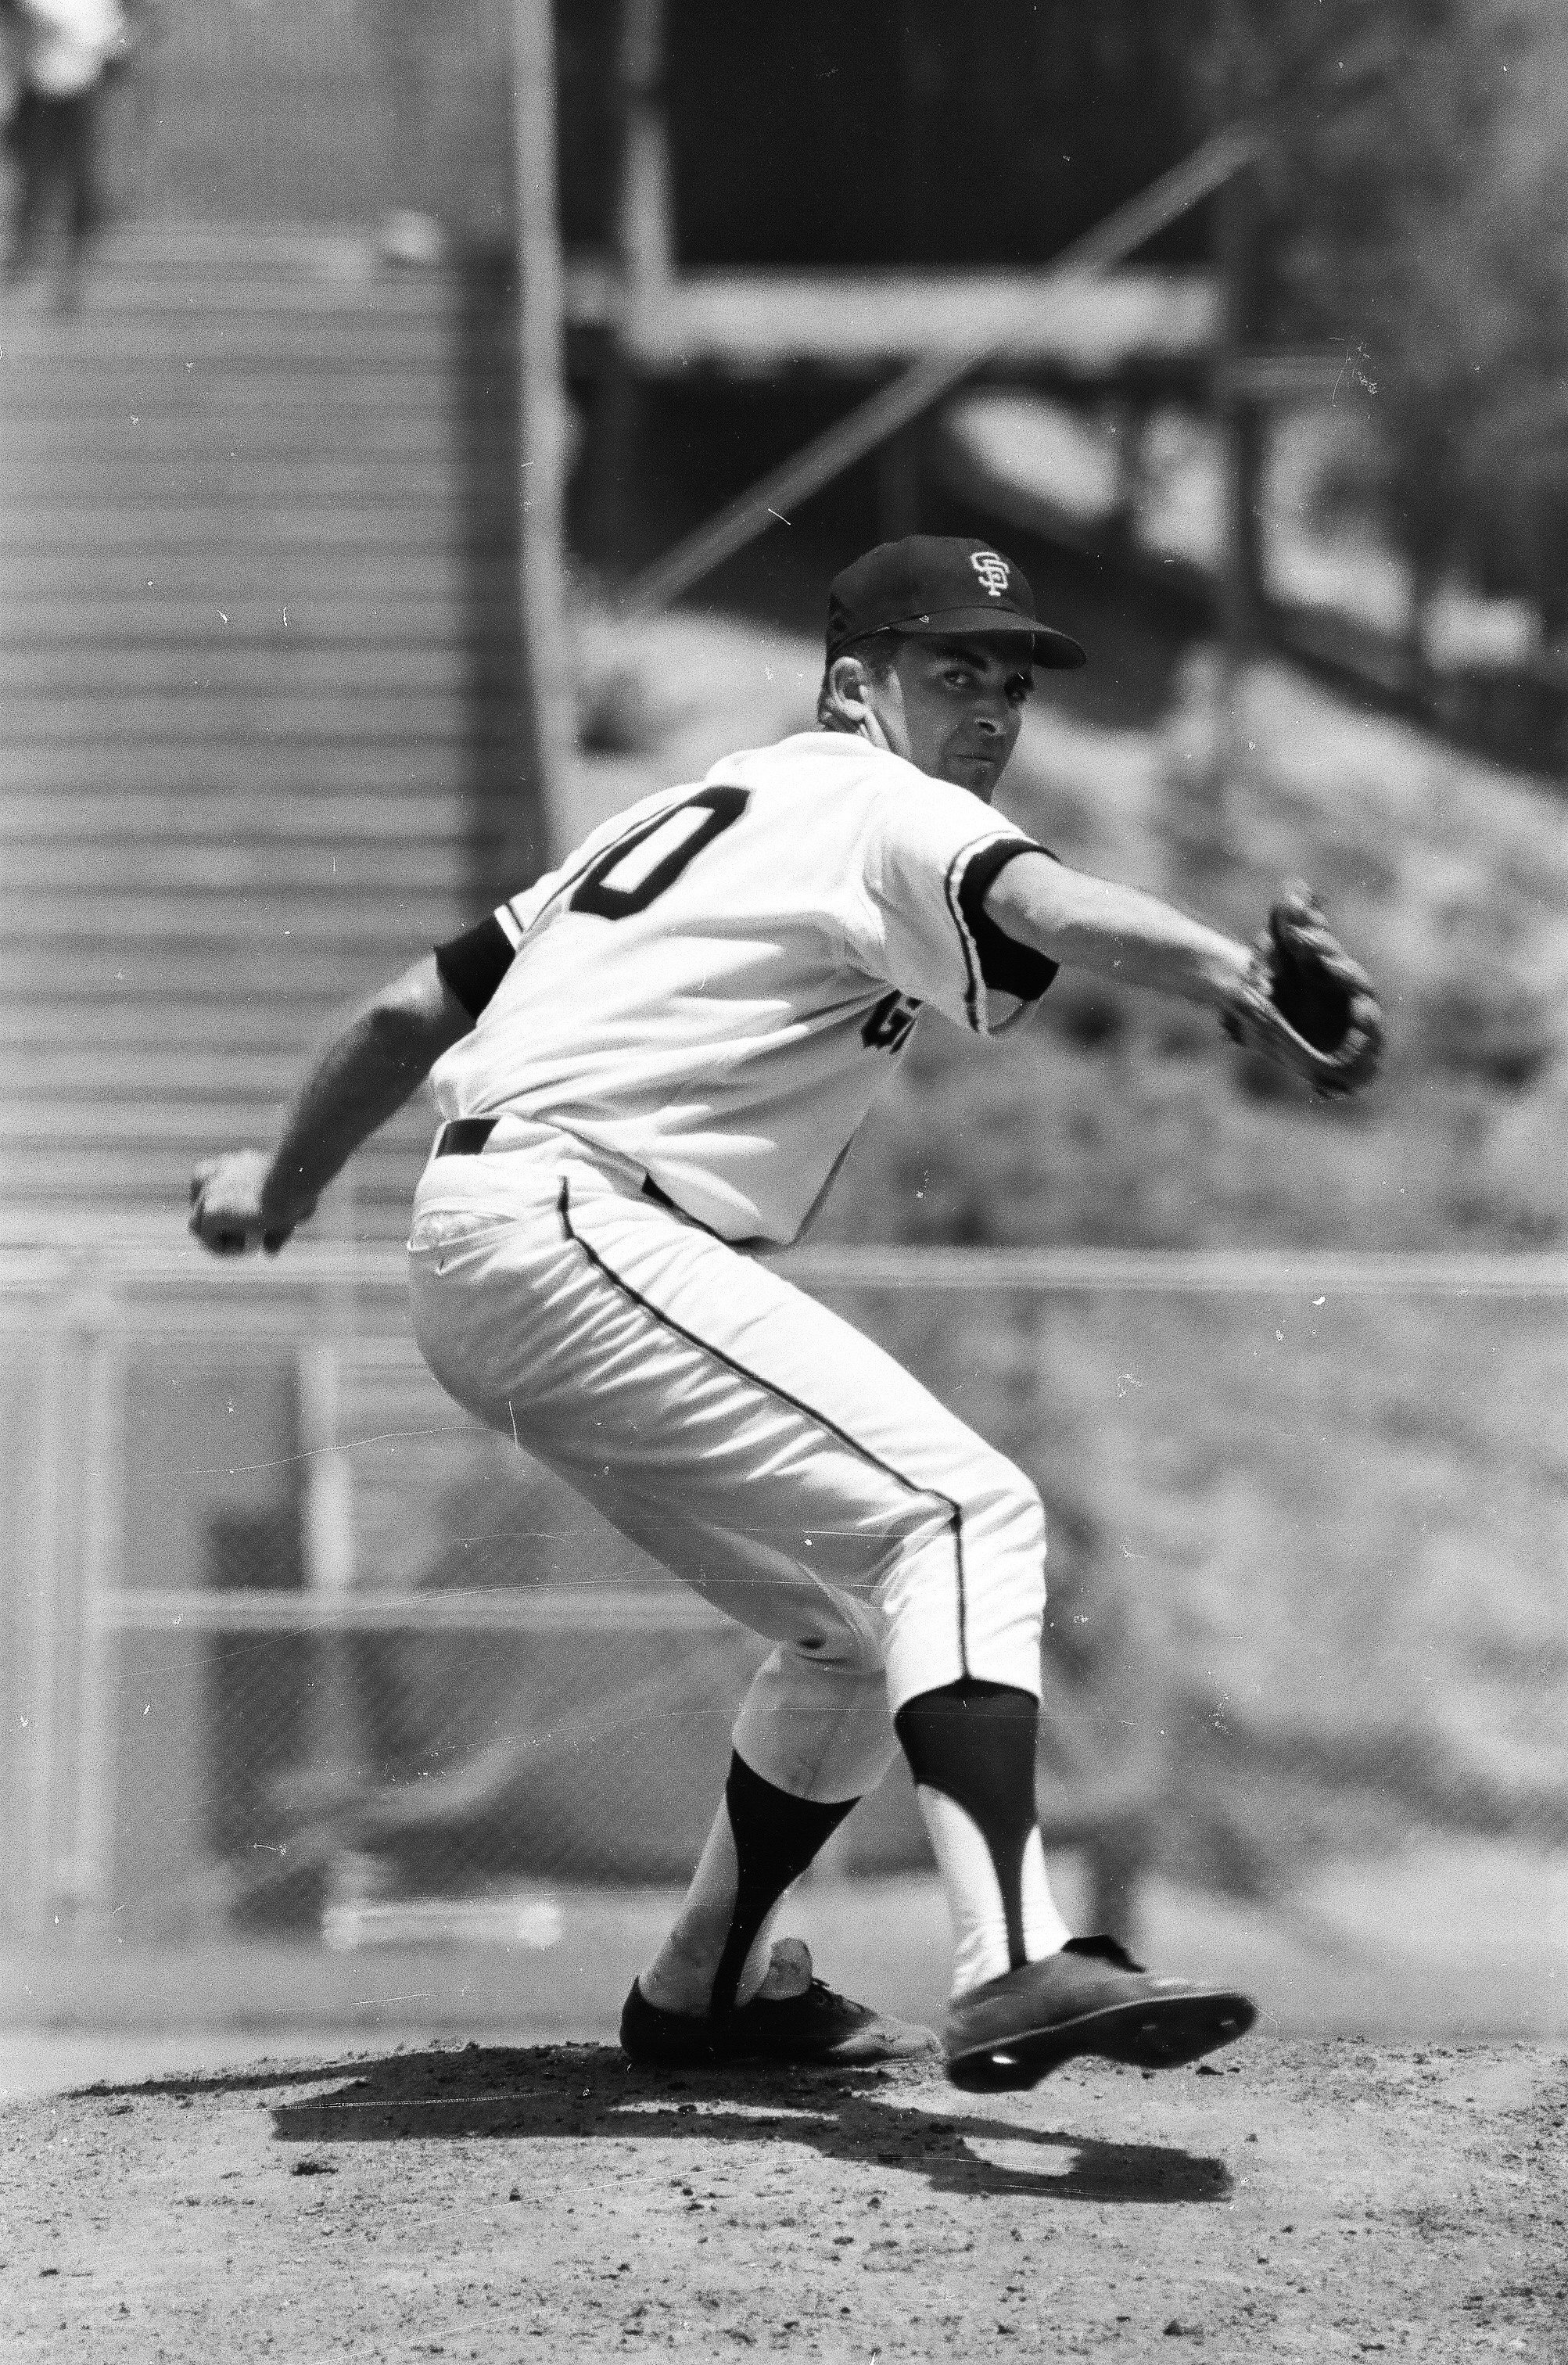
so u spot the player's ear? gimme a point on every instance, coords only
(846, 692)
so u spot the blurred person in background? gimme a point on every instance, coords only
(62, 50)
(406, 37)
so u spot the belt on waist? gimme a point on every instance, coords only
(465, 1137)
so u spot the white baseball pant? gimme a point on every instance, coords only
(747, 1437)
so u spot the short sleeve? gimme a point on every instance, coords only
(474, 964)
(927, 868)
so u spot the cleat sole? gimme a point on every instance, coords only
(1162, 2033)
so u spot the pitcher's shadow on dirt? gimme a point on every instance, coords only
(873, 2117)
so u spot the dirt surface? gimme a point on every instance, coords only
(1302, 2201)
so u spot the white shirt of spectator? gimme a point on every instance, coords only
(68, 43)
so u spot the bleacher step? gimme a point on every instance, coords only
(407, 527)
(274, 871)
(363, 914)
(283, 671)
(257, 732)
(96, 1073)
(135, 481)
(252, 770)
(445, 574)
(418, 620)
(360, 715)
(248, 1023)
(416, 818)
(312, 980)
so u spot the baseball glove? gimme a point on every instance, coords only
(1304, 1003)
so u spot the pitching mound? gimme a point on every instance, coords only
(1282, 2201)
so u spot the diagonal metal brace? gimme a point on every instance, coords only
(894, 405)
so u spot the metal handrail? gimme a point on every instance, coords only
(651, 1609)
(110, 1280)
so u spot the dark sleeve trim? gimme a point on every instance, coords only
(1005, 964)
(474, 964)
(966, 938)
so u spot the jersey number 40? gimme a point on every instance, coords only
(647, 870)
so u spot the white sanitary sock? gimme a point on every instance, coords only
(974, 1894)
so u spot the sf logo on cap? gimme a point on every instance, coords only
(991, 570)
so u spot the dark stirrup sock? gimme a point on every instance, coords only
(776, 1836)
(974, 1741)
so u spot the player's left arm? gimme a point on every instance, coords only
(1083, 922)
(375, 1063)
(1296, 996)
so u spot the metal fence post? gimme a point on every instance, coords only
(326, 1509)
(47, 1762)
(547, 723)
(338, 1752)
(84, 1879)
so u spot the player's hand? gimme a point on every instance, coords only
(231, 1210)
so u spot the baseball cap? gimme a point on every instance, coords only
(938, 585)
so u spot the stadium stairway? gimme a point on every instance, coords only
(257, 642)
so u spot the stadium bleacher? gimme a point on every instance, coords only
(257, 642)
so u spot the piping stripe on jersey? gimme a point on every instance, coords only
(1011, 967)
(771, 1388)
(971, 962)
(990, 955)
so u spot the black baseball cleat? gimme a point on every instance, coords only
(1091, 1998)
(812, 2027)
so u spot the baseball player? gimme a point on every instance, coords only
(648, 1065)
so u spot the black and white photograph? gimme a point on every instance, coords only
(783, 1180)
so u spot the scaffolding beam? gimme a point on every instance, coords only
(896, 406)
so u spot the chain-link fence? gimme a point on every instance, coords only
(290, 1645)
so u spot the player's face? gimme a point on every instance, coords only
(955, 708)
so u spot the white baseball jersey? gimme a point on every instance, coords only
(713, 986)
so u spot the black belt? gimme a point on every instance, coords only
(465, 1137)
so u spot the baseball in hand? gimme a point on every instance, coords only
(227, 1214)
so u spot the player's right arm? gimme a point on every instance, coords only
(255, 1197)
